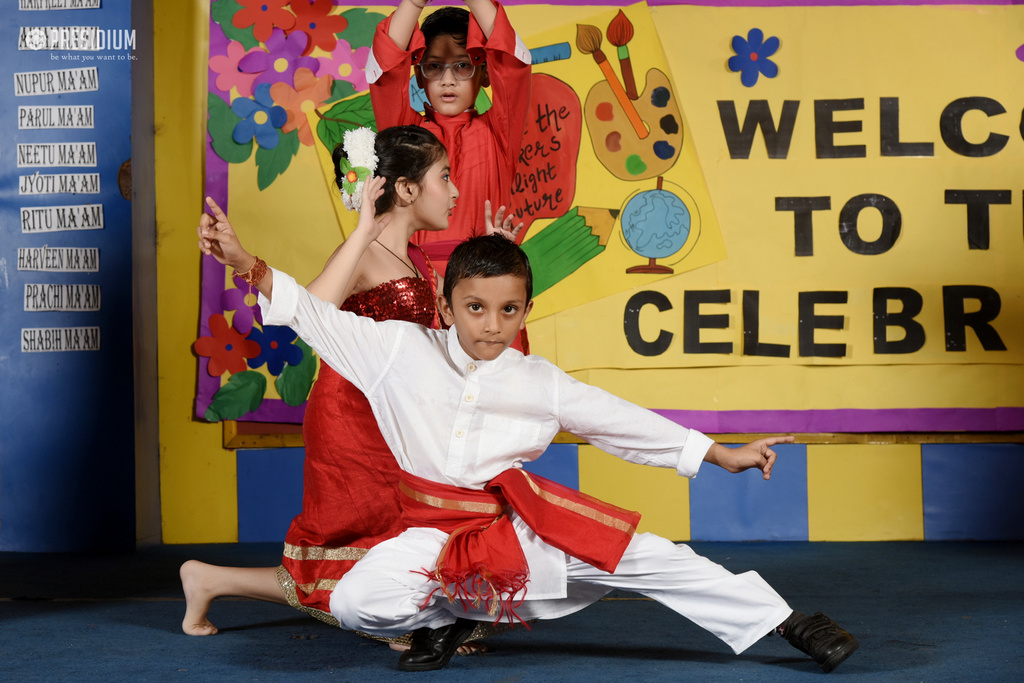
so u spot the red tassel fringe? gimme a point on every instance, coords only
(481, 587)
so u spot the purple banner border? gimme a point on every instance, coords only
(212, 286)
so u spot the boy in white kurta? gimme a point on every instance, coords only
(460, 408)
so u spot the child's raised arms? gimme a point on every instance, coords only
(407, 15)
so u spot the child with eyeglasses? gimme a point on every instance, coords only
(456, 53)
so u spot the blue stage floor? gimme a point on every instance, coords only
(922, 612)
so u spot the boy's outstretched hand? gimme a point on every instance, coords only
(501, 224)
(757, 454)
(218, 239)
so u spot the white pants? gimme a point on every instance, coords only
(384, 595)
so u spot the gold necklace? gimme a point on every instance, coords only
(414, 271)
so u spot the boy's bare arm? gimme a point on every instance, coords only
(405, 20)
(757, 454)
(484, 12)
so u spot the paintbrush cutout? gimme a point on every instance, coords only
(588, 41)
(620, 32)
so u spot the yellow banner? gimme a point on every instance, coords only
(869, 193)
(852, 185)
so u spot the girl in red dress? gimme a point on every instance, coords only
(350, 478)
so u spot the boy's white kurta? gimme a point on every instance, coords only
(459, 421)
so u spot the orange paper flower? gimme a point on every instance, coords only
(308, 94)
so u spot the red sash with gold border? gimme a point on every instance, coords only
(482, 561)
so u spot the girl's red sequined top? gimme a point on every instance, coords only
(350, 478)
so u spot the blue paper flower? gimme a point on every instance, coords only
(276, 348)
(751, 58)
(260, 118)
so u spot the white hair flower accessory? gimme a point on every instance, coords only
(359, 164)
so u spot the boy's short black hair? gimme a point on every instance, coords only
(447, 21)
(487, 256)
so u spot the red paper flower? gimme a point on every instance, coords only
(227, 349)
(263, 16)
(314, 18)
(308, 94)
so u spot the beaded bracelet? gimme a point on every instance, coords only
(255, 274)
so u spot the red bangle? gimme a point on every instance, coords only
(255, 274)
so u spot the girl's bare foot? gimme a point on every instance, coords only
(203, 583)
(198, 596)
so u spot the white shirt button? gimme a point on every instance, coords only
(460, 433)
(469, 398)
(472, 367)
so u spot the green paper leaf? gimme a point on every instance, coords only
(270, 163)
(295, 381)
(221, 124)
(242, 394)
(340, 90)
(345, 168)
(346, 115)
(361, 27)
(222, 12)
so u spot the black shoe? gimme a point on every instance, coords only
(431, 649)
(819, 637)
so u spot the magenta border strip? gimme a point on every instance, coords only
(733, 3)
(1008, 419)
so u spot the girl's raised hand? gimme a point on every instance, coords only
(502, 224)
(368, 223)
(218, 239)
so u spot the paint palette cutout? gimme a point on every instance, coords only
(619, 148)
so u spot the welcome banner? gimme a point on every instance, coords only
(797, 218)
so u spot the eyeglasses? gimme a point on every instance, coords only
(434, 71)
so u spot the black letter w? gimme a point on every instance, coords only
(758, 115)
